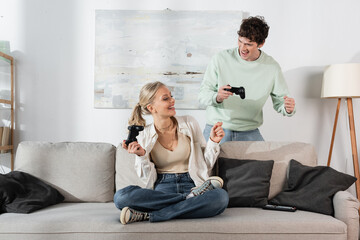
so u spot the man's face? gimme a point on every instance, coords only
(248, 50)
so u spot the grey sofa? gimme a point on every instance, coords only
(87, 174)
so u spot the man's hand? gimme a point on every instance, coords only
(217, 132)
(135, 148)
(223, 94)
(289, 104)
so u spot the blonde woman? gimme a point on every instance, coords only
(174, 162)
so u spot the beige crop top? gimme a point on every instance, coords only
(176, 161)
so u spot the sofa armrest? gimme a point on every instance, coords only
(346, 208)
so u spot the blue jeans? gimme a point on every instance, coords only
(168, 199)
(252, 135)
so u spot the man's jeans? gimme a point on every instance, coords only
(168, 200)
(252, 135)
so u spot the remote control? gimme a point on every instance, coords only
(279, 208)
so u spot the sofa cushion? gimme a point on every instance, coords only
(280, 152)
(125, 169)
(21, 192)
(246, 181)
(101, 221)
(312, 188)
(82, 172)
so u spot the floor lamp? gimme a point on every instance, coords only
(343, 81)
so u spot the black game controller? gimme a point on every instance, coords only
(237, 90)
(133, 132)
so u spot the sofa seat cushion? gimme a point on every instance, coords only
(96, 220)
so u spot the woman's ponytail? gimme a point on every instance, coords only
(136, 116)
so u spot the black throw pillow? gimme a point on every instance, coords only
(21, 192)
(312, 188)
(246, 181)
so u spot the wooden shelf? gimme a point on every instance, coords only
(4, 55)
(5, 101)
(9, 147)
(11, 103)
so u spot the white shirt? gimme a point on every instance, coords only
(202, 156)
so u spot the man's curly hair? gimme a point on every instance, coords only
(254, 28)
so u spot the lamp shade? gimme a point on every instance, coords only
(341, 81)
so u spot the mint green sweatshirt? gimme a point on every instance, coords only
(260, 78)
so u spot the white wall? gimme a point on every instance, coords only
(53, 43)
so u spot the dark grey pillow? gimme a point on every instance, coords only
(246, 181)
(312, 188)
(21, 192)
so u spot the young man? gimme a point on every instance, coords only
(249, 67)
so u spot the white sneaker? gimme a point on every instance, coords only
(210, 184)
(129, 215)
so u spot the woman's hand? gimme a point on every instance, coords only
(217, 132)
(135, 148)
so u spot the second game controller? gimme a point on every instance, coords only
(237, 90)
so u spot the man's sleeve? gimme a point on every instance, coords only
(209, 85)
(279, 91)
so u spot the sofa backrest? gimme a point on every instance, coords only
(125, 169)
(280, 152)
(82, 172)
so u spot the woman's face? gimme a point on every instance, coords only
(163, 103)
